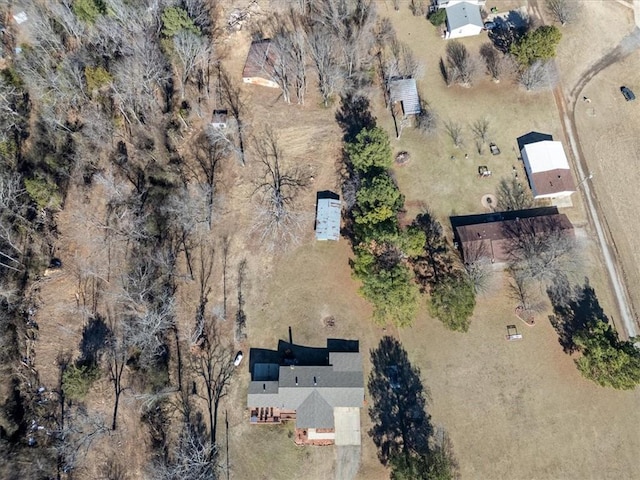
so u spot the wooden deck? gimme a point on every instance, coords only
(270, 415)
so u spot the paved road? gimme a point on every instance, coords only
(566, 110)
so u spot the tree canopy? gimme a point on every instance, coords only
(370, 150)
(377, 205)
(175, 19)
(539, 44)
(452, 301)
(605, 359)
(388, 285)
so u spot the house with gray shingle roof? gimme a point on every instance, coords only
(315, 396)
(463, 20)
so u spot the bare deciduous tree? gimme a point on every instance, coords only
(539, 76)
(213, 364)
(498, 64)
(277, 219)
(193, 52)
(352, 24)
(461, 66)
(76, 431)
(401, 62)
(540, 250)
(193, 458)
(512, 195)
(417, 7)
(564, 11)
(426, 120)
(231, 96)
(241, 316)
(13, 221)
(117, 355)
(454, 130)
(209, 151)
(10, 115)
(323, 49)
(480, 129)
(477, 263)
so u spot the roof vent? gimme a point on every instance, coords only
(264, 387)
(296, 380)
(315, 382)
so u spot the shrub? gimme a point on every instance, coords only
(97, 77)
(43, 192)
(438, 17)
(88, 10)
(76, 381)
(175, 19)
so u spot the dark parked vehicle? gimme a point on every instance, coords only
(627, 94)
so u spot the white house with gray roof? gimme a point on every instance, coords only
(463, 19)
(324, 400)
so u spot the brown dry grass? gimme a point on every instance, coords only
(611, 145)
(514, 410)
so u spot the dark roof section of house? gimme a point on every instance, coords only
(532, 137)
(553, 181)
(491, 235)
(405, 90)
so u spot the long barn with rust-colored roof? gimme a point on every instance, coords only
(492, 235)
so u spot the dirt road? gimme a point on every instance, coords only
(566, 111)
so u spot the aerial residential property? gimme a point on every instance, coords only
(453, 183)
(321, 390)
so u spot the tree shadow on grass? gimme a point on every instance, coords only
(400, 422)
(95, 336)
(575, 308)
(354, 115)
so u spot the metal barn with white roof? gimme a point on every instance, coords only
(548, 169)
